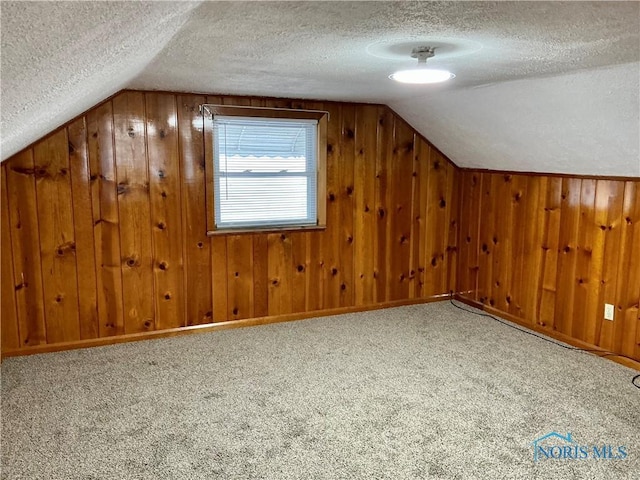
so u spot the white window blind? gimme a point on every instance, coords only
(265, 172)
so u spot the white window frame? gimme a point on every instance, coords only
(213, 176)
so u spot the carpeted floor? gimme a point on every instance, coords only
(424, 391)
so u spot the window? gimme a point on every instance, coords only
(268, 168)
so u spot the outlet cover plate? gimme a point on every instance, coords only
(608, 311)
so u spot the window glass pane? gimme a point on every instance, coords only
(263, 200)
(265, 171)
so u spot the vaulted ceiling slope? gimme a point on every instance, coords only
(540, 86)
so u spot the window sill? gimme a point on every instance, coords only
(240, 231)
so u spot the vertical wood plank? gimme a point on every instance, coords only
(471, 195)
(609, 199)
(627, 315)
(196, 245)
(219, 284)
(22, 205)
(453, 222)
(384, 139)
(9, 323)
(399, 211)
(550, 248)
(83, 215)
(299, 272)
(280, 273)
(261, 275)
(332, 234)
(534, 238)
(567, 255)
(345, 231)
(57, 239)
(166, 209)
(240, 277)
(134, 212)
(106, 221)
(317, 268)
(587, 267)
(364, 203)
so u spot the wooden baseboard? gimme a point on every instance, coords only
(211, 327)
(627, 362)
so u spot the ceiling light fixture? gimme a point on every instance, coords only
(422, 74)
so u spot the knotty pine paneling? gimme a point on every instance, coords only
(552, 251)
(104, 225)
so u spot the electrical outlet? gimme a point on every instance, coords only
(608, 311)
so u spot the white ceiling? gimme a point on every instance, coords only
(540, 86)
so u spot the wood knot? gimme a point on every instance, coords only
(366, 208)
(147, 323)
(381, 212)
(334, 271)
(517, 197)
(162, 225)
(72, 149)
(332, 197)
(167, 296)
(283, 237)
(161, 174)
(349, 190)
(349, 133)
(349, 239)
(163, 194)
(235, 311)
(508, 299)
(434, 261)
(468, 239)
(300, 268)
(403, 239)
(275, 282)
(131, 132)
(436, 165)
(163, 133)
(343, 286)
(507, 178)
(628, 220)
(566, 249)
(131, 262)
(484, 247)
(59, 298)
(163, 266)
(442, 203)
(236, 274)
(200, 244)
(495, 240)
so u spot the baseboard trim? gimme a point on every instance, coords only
(627, 362)
(212, 327)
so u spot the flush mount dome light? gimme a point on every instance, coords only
(422, 74)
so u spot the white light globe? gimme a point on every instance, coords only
(421, 75)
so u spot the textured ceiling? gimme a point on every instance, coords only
(540, 86)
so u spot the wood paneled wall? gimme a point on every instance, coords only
(552, 251)
(104, 226)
